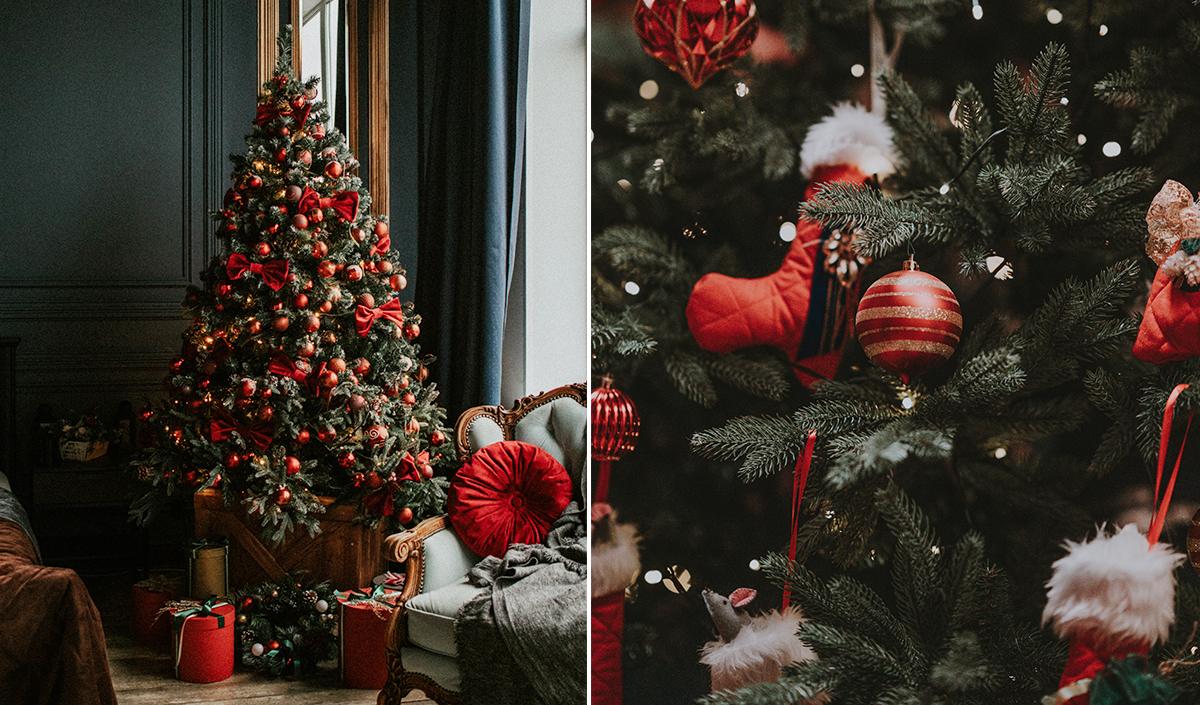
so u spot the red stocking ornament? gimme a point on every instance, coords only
(1170, 330)
(805, 308)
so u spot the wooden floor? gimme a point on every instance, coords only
(143, 675)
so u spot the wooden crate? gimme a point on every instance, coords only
(346, 554)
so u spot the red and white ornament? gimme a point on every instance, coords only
(696, 38)
(908, 322)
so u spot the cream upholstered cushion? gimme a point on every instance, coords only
(560, 429)
(431, 616)
(447, 559)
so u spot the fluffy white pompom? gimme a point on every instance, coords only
(852, 135)
(1114, 587)
(758, 653)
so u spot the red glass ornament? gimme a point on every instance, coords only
(318, 132)
(696, 38)
(362, 366)
(281, 323)
(326, 433)
(329, 379)
(346, 459)
(437, 438)
(300, 221)
(291, 464)
(284, 131)
(294, 193)
(377, 434)
(357, 402)
(358, 234)
(413, 426)
(255, 181)
(316, 215)
(409, 398)
(615, 425)
(405, 515)
(411, 330)
(422, 373)
(312, 323)
(354, 272)
(337, 364)
(302, 436)
(326, 269)
(305, 157)
(326, 306)
(366, 300)
(263, 249)
(247, 387)
(228, 227)
(426, 471)
(282, 497)
(333, 169)
(908, 322)
(383, 266)
(319, 249)
(381, 228)
(301, 300)
(306, 349)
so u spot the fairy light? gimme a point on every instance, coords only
(945, 189)
(1081, 139)
(1063, 101)
(787, 231)
(857, 70)
(1000, 453)
(1103, 30)
(653, 577)
(624, 183)
(741, 89)
(907, 402)
(1054, 16)
(755, 565)
(632, 288)
(1111, 149)
(976, 10)
(648, 90)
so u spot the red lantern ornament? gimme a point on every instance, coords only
(908, 322)
(696, 38)
(615, 424)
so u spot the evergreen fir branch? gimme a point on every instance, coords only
(1033, 112)
(981, 381)
(777, 693)
(642, 254)
(854, 652)
(764, 377)
(741, 436)
(905, 439)
(974, 123)
(963, 578)
(620, 334)
(887, 224)
(929, 157)
(875, 622)
(689, 377)
(915, 565)
(1032, 418)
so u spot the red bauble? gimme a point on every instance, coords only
(281, 323)
(615, 422)
(263, 249)
(302, 436)
(301, 300)
(358, 234)
(366, 300)
(908, 322)
(381, 228)
(405, 515)
(402, 382)
(346, 459)
(318, 131)
(246, 389)
(282, 497)
(305, 157)
(374, 481)
(326, 306)
(255, 181)
(298, 103)
(422, 373)
(326, 269)
(333, 169)
(398, 282)
(354, 272)
(329, 379)
(377, 435)
(306, 349)
(231, 459)
(696, 38)
(281, 155)
(291, 464)
(413, 426)
(222, 289)
(383, 266)
(312, 323)
(284, 131)
(326, 433)
(357, 402)
(319, 249)
(337, 364)
(362, 366)
(427, 471)
(294, 193)
(228, 227)
(409, 398)
(437, 438)
(316, 215)
(411, 330)
(300, 221)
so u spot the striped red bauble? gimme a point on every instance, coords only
(908, 322)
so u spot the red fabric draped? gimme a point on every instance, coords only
(273, 273)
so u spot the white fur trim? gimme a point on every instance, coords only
(616, 564)
(1114, 585)
(758, 653)
(851, 135)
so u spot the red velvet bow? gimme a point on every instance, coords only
(412, 468)
(382, 245)
(266, 114)
(274, 273)
(364, 316)
(282, 365)
(260, 434)
(382, 501)
(313, 379)
(344, 203)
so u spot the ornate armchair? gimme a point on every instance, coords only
(421, 648)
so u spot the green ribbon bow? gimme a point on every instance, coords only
(1130, 681)
(204, 609)
(283, 661)
(356, 595)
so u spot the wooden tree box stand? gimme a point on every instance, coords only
(346, 554)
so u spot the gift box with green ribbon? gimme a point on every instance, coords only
(203, 640)
(364, 616)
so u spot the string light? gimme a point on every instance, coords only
(755, 565)
(632, 288)
(1000, 453)
(787, 231)
(954, 119)
(1103, 30)
(945, 189)
(907, 402)
(857, 70)
(1053, 16)
(1081, 139)
(741, 89)
(624, 183)
(1111, 149)
(653, 577)
(976, 10)
(648, 89)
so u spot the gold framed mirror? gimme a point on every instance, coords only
(369, 143)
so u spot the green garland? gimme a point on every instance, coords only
(285, 628)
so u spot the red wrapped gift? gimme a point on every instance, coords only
(203, 642)
(364, 616)
(150, 627)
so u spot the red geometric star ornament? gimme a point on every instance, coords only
(696, 38)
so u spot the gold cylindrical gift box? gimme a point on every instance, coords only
(209, 568)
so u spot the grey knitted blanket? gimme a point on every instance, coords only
(524, 638)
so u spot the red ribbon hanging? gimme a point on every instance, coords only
(273, 273)
(344, 203)
(266, 114)
(282, 365)
(364, 316)
(1160, 513)
(222, 424)
(313, 379)
(799, 480)
(412, 468)
(382, 245)
(382, 501)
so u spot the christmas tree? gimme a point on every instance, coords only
(300, 376)
(735, 244)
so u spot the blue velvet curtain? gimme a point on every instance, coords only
(471, 90)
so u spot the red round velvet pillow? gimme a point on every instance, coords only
(508, 492)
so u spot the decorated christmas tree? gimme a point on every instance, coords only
(884, 356)
(300, 376)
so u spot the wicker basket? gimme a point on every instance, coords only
(82, 451)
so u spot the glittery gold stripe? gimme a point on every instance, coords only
(922, 346)
(907, 279)
(933, 295)
(892, 329)
(933, 314)
(1193, 544)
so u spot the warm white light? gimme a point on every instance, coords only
(945, 189)
(648, 89)
(741, 89)
(977, 11)
(1063, 100)
(653, 577)
(1082, 139)
(907, 402)
(755, 565)
(954, 114)
(632, 288)
(1053, 16)
(857, 70)
(624, 183)
(936, 550)
(591, 135)
(787, 231)
(1103, 30)
(1111, 149)
(1000, 453)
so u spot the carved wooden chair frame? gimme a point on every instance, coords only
(407, 547)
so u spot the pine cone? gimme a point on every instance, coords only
(1191, 270)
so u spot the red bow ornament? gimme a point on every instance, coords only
(282, 365)
(344, 203)
(382, 501)
(382, 245)
(364, 316)
(273, 273)
(266, 114)
(412, 468)
(222, 424)
(313, 379)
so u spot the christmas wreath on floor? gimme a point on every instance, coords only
(284, 628)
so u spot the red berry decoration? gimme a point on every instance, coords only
(437, 438)
(696, 38)
(291, 464)
(358, 479)
(333, 169)
(346, 459)
(908, 322)
(405, 515)
(377, 435)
